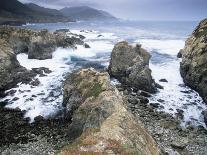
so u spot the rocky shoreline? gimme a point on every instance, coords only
(98, 117)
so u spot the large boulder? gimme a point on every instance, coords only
(130, 65)
(193, 67)
(100, 122)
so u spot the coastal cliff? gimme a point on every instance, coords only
(193, 67)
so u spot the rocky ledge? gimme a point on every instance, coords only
(37, 44)
(100, 122)
(193, 67)
(130, 65)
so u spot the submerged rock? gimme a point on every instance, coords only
(193, 67)
(130, 65)
(100, 122)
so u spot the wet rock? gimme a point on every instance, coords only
(161, 101)
(41, 70)
(99, 36)
(180, 53)
(143, 99)
(163, 80)
(39, 119)
(158, 86)
(86, 45)
(35, 82)
(193, 67)
(144, 93)
(130, 65)
(155, 105)
(15, 99)
(180, 114)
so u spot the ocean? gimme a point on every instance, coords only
(163, 39)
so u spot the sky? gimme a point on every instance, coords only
(138, 9)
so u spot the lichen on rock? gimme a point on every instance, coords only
(193, 67)
(100, 122)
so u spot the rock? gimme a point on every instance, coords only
(144, 93)
(180, 54)
(163, 80)
(86, 46)
(180, 143)
(11, 72)
(35, 82)
(38, 44)
(193, 67)
(130, 65)
(180, 114)
(41, 70)
(143, 99)
(39, 119)
(205, 116)
(155, 105)
(100, 121)
(158, 86)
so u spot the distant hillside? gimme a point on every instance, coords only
(14, 12)
(43, 10)
(86, 13)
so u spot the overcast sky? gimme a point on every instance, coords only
(138, 9)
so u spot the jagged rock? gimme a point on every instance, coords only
(11, 72)
(100, 121)
(180, 54)
(38, 44)
(130, 65)
(193, 67)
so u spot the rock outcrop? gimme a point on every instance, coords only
(11, 72)
(130, 65)
(194, 60)
(100, 122)
(38, 44)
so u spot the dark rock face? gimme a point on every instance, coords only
(99, 118)
(180, 54)
(193, 67)
(11, 72)
(130, 65)
(205, 116)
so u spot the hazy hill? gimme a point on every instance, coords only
(44, 10)
(86, 13)
(14, 12)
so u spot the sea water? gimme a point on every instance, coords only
(162, 39)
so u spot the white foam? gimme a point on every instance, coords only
(170, 47)
(173, 94)
(38, 100)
